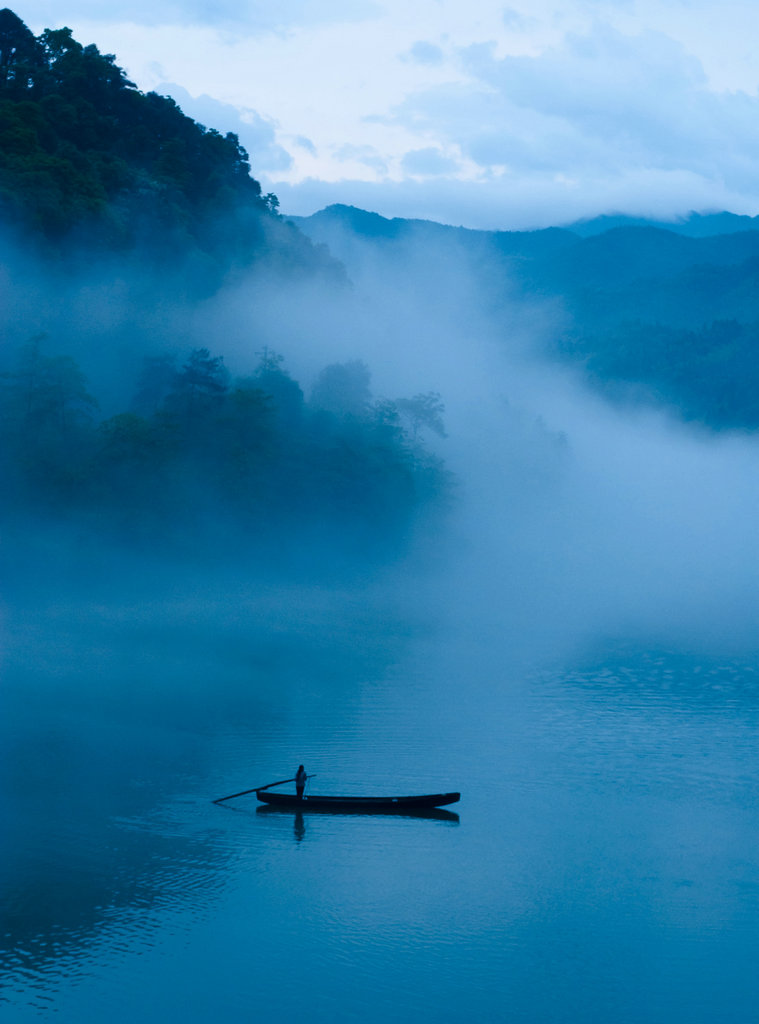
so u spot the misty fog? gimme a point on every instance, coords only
(572, 516)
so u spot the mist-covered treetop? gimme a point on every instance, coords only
(205, 464)
(83, 150)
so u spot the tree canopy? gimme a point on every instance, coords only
(205, 461)
(84, 153)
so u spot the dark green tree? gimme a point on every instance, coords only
(423, 411)
(47, 396)
(21, 58)
(201, 383)
(272, 379)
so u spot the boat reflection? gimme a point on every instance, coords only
(299, 827)
(436, 813)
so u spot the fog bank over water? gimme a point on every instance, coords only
(571, 517)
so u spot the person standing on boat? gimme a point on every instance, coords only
(300, 781)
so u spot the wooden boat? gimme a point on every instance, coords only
(358, 804)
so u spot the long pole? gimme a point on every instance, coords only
(255, 789)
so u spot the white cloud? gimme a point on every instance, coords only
(368, 156)
(515, 21)
(428, 162)
(424, 53)
(600, 104)
(305, 143)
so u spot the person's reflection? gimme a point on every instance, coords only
(299, 827)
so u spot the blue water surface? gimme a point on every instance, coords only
(602, 865)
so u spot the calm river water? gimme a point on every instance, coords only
(602, 866)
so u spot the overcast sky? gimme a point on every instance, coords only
(465, 111)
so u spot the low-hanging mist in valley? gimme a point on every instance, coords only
(572, 516)
(193, 386)
(568, 515)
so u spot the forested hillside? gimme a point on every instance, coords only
(202, 463)
(119, 218)
(87, 158)
(669, 316)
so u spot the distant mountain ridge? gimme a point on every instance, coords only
(670, 311)
(337, 218)
(695, 225)
(375, 226)
(562, 262)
